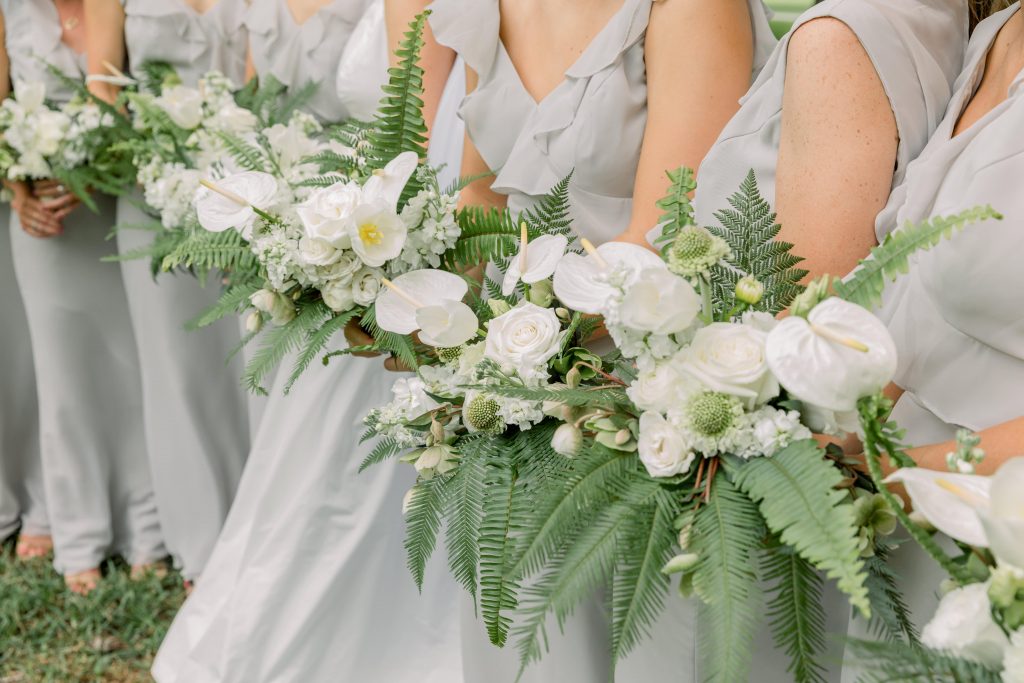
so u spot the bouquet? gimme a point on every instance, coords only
(687, 451)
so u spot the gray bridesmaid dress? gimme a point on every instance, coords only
(196, 410)
(308, 579)
(956, 316)
(22, 501)
(533, 145)
(95, 472)
(917, 48)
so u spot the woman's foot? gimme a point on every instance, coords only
(141, 571)
(83, 583)
(33, 547)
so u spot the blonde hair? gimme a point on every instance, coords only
(982, 9)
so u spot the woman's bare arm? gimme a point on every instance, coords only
(837, 152)
(699, 57)
(104, 27)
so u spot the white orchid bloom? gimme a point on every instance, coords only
(535, 261)
(581, 282)
(837, 355)
(232, 201)
(388, 183)
(429, 301)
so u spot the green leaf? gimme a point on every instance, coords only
(317, 342)
(422, 522)
(465, 517)
(795, 612)
(894, 662)
(550, 215)
(726, 531)
(382, 450)
(279, 341)
(497, 590)
(891, 258)
(890, 615)
(676, 205)
(233, 301)
(796, 491)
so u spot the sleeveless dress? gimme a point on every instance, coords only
(196, 411)
(917, 49)
(532, 146)
(308, 581)
(95, 472)
(956, 316)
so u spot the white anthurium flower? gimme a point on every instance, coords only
(377, 233)
(541, 259)
(327, 213)
(948, 501)
(230, 202)
(1003, 518)
(837, 355)
(387, 184)
(430, 301)
(963, 625)
(581, 281)
(659, 302)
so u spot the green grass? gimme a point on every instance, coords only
(49, 635)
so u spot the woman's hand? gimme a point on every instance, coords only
(356, 336)
(55, 198)
(36, 219)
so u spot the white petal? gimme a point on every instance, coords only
(428, 287)
(952, 514)
(389, 183)
(1004, 521)
(508, 285)
(451, 323)
(578, 282)
(542, 256)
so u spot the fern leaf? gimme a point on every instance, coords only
(487, 235)
(231, 302)
(795, 612)
(497, 590)
(882, 662)
(891, 258)
(246, 155)
(382, 450)
(278, 342)
(796, 492)
(316, 343)
(422, 523)
(676, 205)
(550, 215)
(890, 615)
(465, 517)
(398, 345)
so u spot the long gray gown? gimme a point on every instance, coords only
(95, 471)
(532, 146)
(956, 316)
(308, 579)
(196, 411)
(917, 48)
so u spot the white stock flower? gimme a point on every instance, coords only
(524, 339)
(659, 302)
(411, 398)
(218, 213)
(377, 233)
(183, 105)
(233, 119)
(542, 257)
(730, 358)
(662, 447)
(582, 283)
(327, 213)
(774, 429)
(963, 626)
(813, 359)
(338, 296)
(387, 184)
(277, 306)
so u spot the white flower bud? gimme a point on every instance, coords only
(567, 440)
(254, 323)
(622, 437)
(681, 563)
(749, 290)
(407, 500)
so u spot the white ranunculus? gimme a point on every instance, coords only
(234, 119)
(318, 252)
(660, 390)
(524, 339)
(581, 281)
(397, 313)
(338, 296)
(963, 626)
(659, 302)
(662, 447)
(387, 184)
(567, 440)
(277, 306)
(1013, 661)
(542, 257)
(1003, 518)
(446, 324)
(729, 358)
(377, 233)
(366, 286)
(808, 359)
(218, 213)
(184, 105)
(327, 213)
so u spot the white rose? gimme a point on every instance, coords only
(659, 390)
(662, 448)
(218, 213)
(327, 213)
(184, 106)
(345, 268)
(567, 440)
(234, 119)
(377, 233)
(730, 359)
(659, 302)
(317, 252)
(277, 306)
(365, 286)
(338, 296)
(524, 339)
(963, 625)
(1013, 662)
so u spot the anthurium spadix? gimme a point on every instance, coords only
(837, 355)
(535, 261)
(387, 183)
(582, 281)
(235, 201)
(429, 301)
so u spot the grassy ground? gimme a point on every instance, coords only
(48, 635)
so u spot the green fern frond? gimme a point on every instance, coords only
(891, 258)
(278, 342)
(888, 662)
(796, 490)
(202, 250)
(890, 615)
(382, 450)
(316, 343)
(795, 612)
(676, 205)
(422, 523)
(550, 215)
(233, 301)
(726, 532)
(245, 155)
(488, 235)
(465, 517)
(153, 75)
(595, 397)
(750, 230)
(399, 345)
(497, 591)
